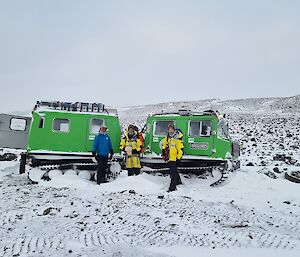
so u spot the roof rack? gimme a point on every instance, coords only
(74, 107)
(184, 112)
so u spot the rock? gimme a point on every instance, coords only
(131, 192)
(287, 202)
(47, 211)
(276, 169)
(263, 163)
(270, 174)
(279, 157)
(160, 197)
(8, 157)
(249, 164)
(296, 174)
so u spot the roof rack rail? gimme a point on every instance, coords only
(75, 107)
(184, 112)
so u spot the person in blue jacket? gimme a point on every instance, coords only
(102, 148)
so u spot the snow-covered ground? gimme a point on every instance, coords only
(256, 213)
(68, 216)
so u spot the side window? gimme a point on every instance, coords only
(200, 128)
(41, 122)
(18, 124)
(61, 125)
(95, 125)
(161, 127)
(205, 128)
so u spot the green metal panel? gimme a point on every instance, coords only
(223, 146)
(79, 137)
(197, 144)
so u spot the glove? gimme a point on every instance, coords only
(163, 155)
(94, 154)
(135, 151)
(94, 159)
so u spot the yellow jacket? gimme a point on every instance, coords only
(174, 145)
(132, 147)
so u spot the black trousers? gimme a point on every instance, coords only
(134, 171)
(175, 178)
(102, 166)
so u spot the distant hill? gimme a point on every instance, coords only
(252, 105)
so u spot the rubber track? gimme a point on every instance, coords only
(224, 173)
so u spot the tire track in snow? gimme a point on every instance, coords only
(137, 220)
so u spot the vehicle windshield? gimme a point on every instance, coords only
(223, 130)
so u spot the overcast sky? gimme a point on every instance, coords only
(134, 52)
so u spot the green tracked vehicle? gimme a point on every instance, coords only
(61, 134)
(207, 144)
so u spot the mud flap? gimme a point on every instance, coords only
(22, 163)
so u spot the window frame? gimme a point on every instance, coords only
(41, 119)
(90, 128)
(200, 129)
(154, 127)
(14, 118)
(58, 131)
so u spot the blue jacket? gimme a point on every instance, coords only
(102, 145)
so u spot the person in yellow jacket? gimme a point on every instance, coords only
(132, 146)
(172, 151)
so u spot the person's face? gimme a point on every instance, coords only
(103, 129)
(130, 131)
(171, 130)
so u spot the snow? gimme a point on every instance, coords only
(84, 174)
(7, 168)
(204, 252)
(248, 189)
(36, 174)
(255, 213)
(135, 216)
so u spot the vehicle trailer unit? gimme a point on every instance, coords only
(14, 131)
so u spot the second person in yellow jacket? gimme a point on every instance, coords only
(132, 146)
(172, 151)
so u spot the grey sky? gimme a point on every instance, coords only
(135, 52)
